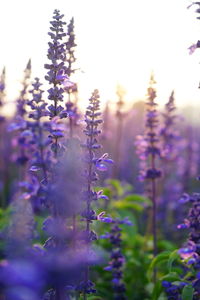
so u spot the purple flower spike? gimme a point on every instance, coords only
(56, 74)
(150, 154)
(91, 131)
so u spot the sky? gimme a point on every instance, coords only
(119, 42)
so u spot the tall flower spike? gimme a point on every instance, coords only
(117, 259)
(2, 86)
(23, 97)
(20, 124)
(38, 111)
(171, 144)
(150, 153)
(167, 133)
(56, 76)
(119, 130)
(3, 143)
(57, 70)
(41, 159)
(70, 47)
(92, 162)
(71, 88)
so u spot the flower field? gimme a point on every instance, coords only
(100, 202)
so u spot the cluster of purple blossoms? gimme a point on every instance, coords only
(23, 97)
(57, 76)
(2, 91)
(188, 165)
(168, 134)
(19, 126)
(71, 88)
(92, 163)
(190, 253)
(173, 291)
(149, 151)
(3, 141)
(70, 49)
(117, 259)
(151, 137)
(40, 162)
(38, 128)
(171, 144)
(120, 116)
(21, 110)
(57, 69)
(147, 145)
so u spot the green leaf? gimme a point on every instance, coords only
(158, 259)
(173, 256)
(137, 198)
(5, 217)
(157, 291)
(133, 201)
(117, 185)
(187, 292)
(128, 205)
(173, 276)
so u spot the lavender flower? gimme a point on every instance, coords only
(189, 165)
(23, 97)
(190, 252)
(57, 70)
(171, 144)
(2, 91)
(20, 125)
(3, 141)
(92, 122)
(38, 111)
(40, 163)
(150, 152)
(167, 133)
(119, 130)
(72, 89)
(56, 76)
(117, 259)
(70, 47)
(173, 291)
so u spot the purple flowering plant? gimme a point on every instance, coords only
(66, 217)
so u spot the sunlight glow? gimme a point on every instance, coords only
(118, 42)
